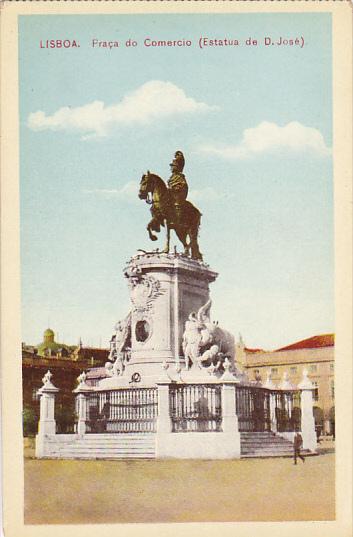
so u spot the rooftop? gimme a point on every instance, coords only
(314, 342)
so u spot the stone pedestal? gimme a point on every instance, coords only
(81, 391)
(47, 424)
(307, 416)
(164, 290)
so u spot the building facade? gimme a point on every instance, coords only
(315, 354)
(66, 363)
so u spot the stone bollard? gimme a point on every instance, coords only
(307, 416)
(47, 425)
(81, 390)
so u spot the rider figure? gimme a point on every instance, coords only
(177, 186)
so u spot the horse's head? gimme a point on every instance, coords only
(145, 186)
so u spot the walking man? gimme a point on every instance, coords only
(298, 443)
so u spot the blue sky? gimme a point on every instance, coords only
(255, 127)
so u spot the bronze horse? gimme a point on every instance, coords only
(163, 214)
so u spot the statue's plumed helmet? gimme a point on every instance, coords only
(178, 161)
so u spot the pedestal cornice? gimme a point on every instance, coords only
(171, 263)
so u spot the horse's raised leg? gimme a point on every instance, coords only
(150, 234)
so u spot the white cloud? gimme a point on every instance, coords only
(154, 100)
(269, 137)
(128, 192)
(206, 194)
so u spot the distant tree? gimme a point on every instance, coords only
(29, 421)
(65, 418)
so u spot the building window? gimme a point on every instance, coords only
(35, 396)
(332, 389)
(332, 367)
(274, 371)
(293, 370)
(257, 375)
(313, 368)
(315, 391)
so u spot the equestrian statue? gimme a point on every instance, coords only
(171, 209)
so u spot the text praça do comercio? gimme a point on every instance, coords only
(203, 42)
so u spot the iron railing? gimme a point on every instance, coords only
(195, 408)
(260, 409)
(130, 410)
(287, 410)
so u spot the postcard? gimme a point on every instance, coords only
(176, 254)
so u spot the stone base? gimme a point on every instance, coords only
(152, 374)
(42, 446)
(198, 445)
(164, 290)
(197, 375)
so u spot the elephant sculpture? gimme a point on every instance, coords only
(206, 343)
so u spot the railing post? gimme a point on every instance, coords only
(230, 424)
(270, 386)
(47, 425)
(307, 415)
(164, 424)
(229, 415)
(81, 390)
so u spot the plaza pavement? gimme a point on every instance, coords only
(73, 491)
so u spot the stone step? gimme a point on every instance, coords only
(265, 440)
(259, 435)
(264, 444)
(105, 446)
(117, 447)
(266, 450)
(118, 442)
(131, 449)
(89, 453)
(103, 454)
(109, 436)
(287, 454)
(271, 447)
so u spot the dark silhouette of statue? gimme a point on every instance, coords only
(170, 208)
(178, 187)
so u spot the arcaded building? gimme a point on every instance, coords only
(316, 354)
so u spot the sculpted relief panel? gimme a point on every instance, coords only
(144, 290)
